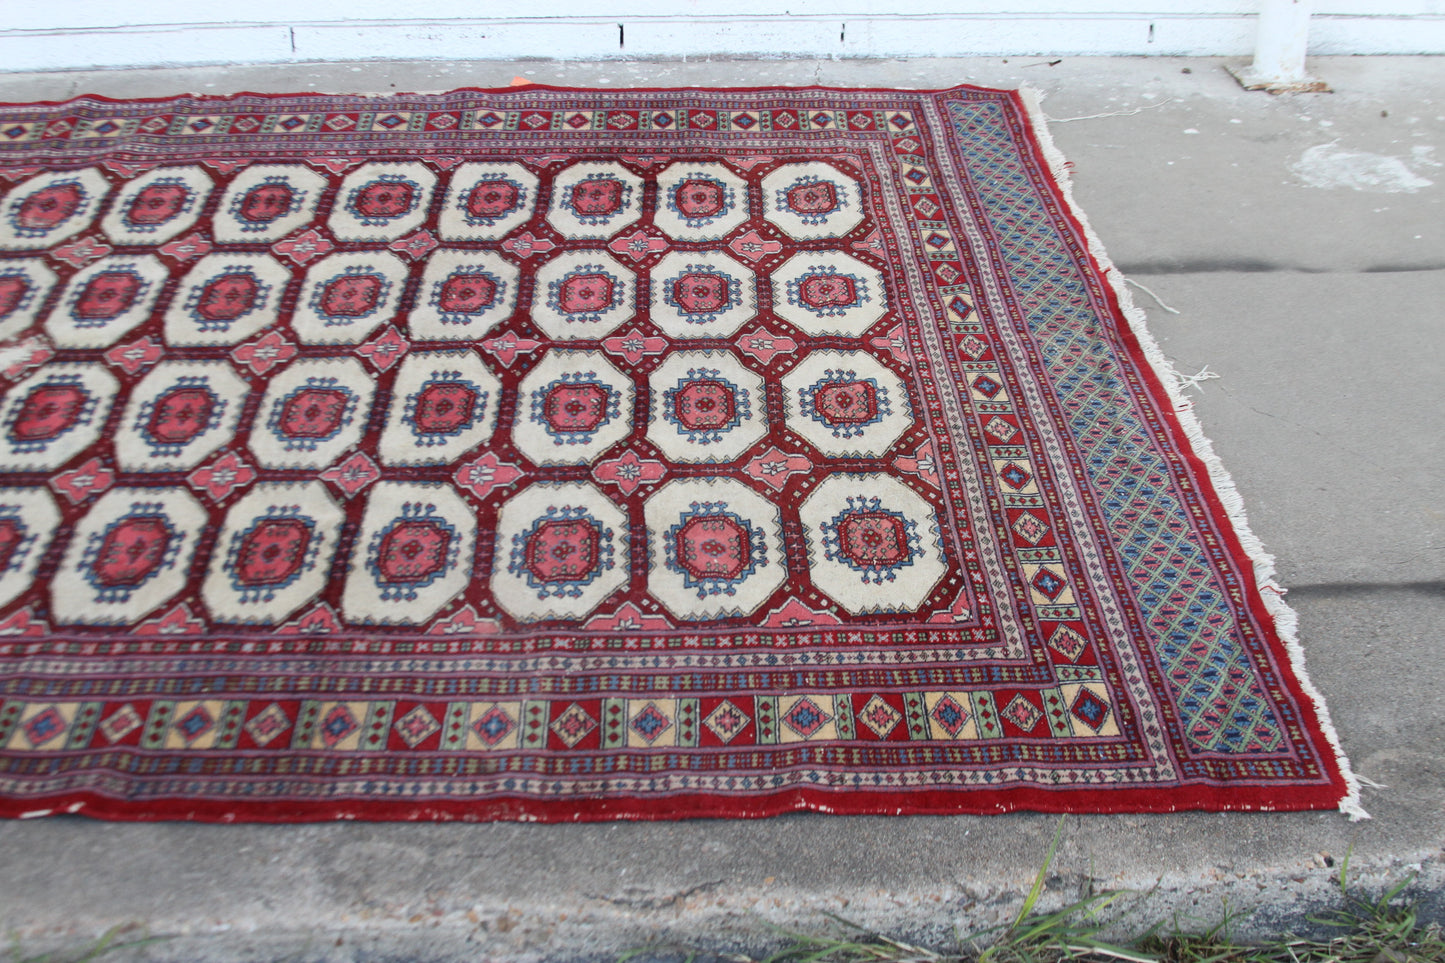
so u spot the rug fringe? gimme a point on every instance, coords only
(1286, 620)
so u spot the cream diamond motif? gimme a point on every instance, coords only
(573, 725)
(1022, 713)
(1067, 643)
(121, 723)
(1030, 528)
(416, 726)
(880, 717)
(268, 724)
(1000, 429)
(726, 721)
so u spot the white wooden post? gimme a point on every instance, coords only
(1281, 40)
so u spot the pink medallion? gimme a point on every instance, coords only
(265, 203)
(157, 203)
(700, 292)
(49, 207)
(413, 551)
(108, 295)
(444, 407)
(698, 197)
(272, 552)
(575, 407)
(351, 295)
(180, 414)
(48, 412)
(598, 197)
(564, 550)
(227, 297)
(131, 551)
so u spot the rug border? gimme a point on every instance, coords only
(1222, 494)
(1159, 378)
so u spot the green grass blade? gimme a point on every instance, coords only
(1037, 889)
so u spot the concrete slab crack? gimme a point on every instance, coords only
(656, 902)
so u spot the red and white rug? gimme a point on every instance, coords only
(572, 455)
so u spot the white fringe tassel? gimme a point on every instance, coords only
(1286, 621)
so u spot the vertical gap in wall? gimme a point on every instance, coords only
(1151, 32)
(621, 38)
(842, 33)
(293, 39)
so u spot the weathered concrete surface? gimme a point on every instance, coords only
(1305, 251)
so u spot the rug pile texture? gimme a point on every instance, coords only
(572, 455)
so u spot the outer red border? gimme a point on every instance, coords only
(971, 801)
(598, 809)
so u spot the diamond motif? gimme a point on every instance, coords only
(353, 474)
(950, 716)
(1022, 713)
(1015, 475)
(638, 245)
(726, 721)
(1067, 643)
(650, 723)
(23, 623)
(774, 467)
(628, 472)
(338, 724)
(1047, 583)
(120, 723)
(805, 718)
(304, 247)
(634, 345)
(494, 726)
(765, 346)
(44, 726)
(508, 347)
(485, 475)
(386, 349)
(1089, 709)
(320, 620)
(32, 352)
(1030, 528)
(525, 245)
(80, 483)
(222, 477)
(82, 252)
(1000, 428)
(268, 724)
(415, 246)
(416, 726)
(880, 717)
(179, 620)
(573, 725)
(754, 246)
(134, 357)
(265, 353)
(194, 724)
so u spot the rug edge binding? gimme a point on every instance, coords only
(1286, 620)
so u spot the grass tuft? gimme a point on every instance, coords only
(108, 942)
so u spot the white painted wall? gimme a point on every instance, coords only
(76, 34)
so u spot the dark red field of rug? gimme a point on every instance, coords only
(572, 455)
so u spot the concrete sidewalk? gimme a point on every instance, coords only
(1302, 241)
